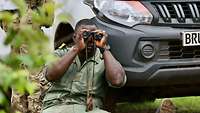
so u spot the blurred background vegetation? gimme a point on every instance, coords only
(183, 105)
(30, 47)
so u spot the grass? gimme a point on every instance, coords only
(183, 104)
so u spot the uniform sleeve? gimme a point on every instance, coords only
(42, 74)
(58, 53)
(61, 52)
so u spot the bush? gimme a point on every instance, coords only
(30, 48)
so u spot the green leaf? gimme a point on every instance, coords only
(7, 17)
(44, 16)
(2, 98)
(17, 112)
(12, 61)
(21, 5)
(2, 111)
(49, 8)
(18, 41)
(7, 82)
(63, 17)
(10, 36)
(30, 87)
(20, 78)
(26, 59)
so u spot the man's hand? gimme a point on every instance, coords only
(78, 37)
(103, 42)
(78, 40)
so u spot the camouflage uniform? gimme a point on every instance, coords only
(31, 103)
(68, 94)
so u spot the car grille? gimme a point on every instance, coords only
(175, 50)
(178, 12)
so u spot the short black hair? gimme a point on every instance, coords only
(64, 32)
(84, 22)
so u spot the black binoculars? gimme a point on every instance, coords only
(96, 35)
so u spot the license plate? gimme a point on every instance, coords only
(191, 38)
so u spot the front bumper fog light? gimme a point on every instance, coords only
(148, 51)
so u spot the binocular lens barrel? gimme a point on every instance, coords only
(95, 35)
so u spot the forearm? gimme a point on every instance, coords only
(58, 69)
(115, 73)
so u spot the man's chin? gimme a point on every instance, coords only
(91, 51)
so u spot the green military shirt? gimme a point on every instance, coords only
(72, 87)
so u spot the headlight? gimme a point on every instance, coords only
(128, 13)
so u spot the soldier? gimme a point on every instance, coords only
(78, 80)
(31, 103)
(27, 103)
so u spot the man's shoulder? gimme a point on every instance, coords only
(61, 52)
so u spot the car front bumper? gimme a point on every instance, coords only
(125, 47)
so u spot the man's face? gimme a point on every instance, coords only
(90, 45)
(89, 41)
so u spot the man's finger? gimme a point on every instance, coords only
(103, 41)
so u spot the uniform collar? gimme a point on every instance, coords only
(98, 58)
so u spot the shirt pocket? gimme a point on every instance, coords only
(81, 79)
(78, 87)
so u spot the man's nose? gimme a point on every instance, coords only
(91, 39)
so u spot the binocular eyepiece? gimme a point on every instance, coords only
(96, 35)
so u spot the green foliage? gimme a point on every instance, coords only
(7, 17)
(44, 15)
(21, 5)
(2, 111)
(2, 99)
(30, 48)
(183, 105)
(64, 17)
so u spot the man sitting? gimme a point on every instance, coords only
(79, 78)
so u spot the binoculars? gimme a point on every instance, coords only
(96, 35)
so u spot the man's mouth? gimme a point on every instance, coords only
(90, 47)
